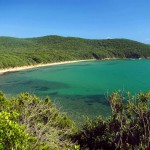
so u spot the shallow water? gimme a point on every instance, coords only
(81, 88)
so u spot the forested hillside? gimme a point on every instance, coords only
(28, 51)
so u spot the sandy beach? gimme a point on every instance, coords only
(7, 70)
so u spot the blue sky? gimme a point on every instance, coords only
(94, 19)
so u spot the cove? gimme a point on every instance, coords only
(81, 88)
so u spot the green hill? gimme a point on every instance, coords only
(28, 51)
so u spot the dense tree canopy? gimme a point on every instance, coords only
(28, 51)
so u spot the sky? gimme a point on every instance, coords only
(92, 19)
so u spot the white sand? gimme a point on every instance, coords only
(2, 71)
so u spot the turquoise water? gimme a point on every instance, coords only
(81, 88)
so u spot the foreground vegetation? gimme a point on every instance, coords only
(30, 51)
(27, 122)
(127, 129)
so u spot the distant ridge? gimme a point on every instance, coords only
(29, 51)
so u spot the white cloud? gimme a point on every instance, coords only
(108, 37)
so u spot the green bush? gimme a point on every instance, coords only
(12, 135)
(127, 128)
(27, 122)
(49, 128)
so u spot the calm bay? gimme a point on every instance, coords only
(81, 88)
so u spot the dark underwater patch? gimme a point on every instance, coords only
(88, 99)
(53, 94)
(27, 82)
(42, 88)
(101, 99)
(48, 85)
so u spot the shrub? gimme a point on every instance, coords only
(127, 128)
(42, 120)
(12, 135)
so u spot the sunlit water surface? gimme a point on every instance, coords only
(80, 88)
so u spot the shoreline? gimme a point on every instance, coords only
(15, 69)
